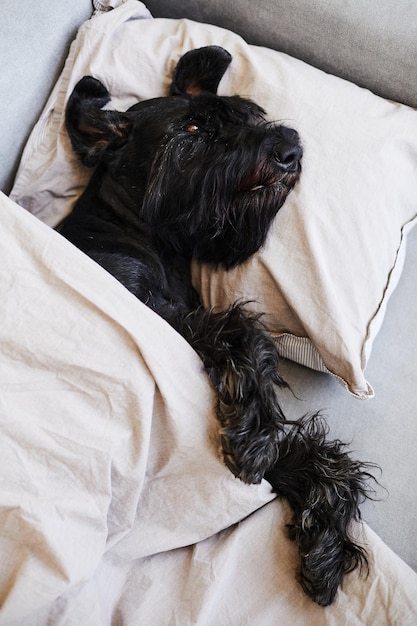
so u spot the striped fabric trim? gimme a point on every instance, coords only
(301, 350)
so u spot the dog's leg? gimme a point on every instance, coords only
(243, 363)
(322, 484)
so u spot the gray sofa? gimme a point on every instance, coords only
(371, 44)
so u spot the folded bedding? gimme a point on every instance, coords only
(115, 505)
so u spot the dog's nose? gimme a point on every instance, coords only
(288, 155)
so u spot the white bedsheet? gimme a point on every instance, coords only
(115, 507)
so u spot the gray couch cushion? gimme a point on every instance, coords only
(33, 46)
(373, 44)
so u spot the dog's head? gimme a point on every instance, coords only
(206, 173)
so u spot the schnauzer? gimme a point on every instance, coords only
(199, 176)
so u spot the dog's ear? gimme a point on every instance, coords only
(200, 71)
(93, 131)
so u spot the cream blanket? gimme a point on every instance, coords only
(115, 507)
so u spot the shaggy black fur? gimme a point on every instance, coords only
(197, 175)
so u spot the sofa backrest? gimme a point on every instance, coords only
(34, 41)
(372, 43)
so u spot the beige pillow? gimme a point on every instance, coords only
(336, 248)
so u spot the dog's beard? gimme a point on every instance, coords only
(220, 213)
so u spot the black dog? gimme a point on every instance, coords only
(196, 175)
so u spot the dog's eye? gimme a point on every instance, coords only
(192, 128)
